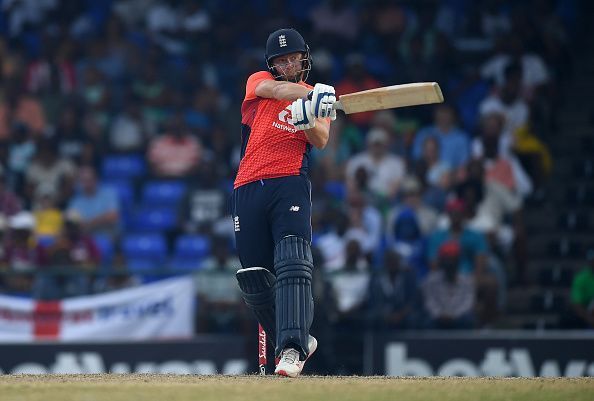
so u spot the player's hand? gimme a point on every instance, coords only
(322, 99)
(301, 115)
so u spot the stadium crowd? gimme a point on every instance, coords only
(119, 142)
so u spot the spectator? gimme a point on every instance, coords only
(384, 170)
(52, 73)
(365, 223)
(97, 205)
(332, 244)
(48, 217)
(357, 79)
(534, 71)
(449, 294)
(454, 144)
(393, 295)
(350, 285)
(23, 256)
(127, 132)
(10, 203)
(411, 199)
(508, 100)
(582, 294)
(220, 257)
(336, 22)
(406, 240)
(72, 250)
(69, 134)
(473, 246)
(220, 308)
(49, 169)
(22, 148)
(175, 153)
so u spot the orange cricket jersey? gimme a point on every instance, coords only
(270, 145)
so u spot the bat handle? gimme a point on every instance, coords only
(337, 105)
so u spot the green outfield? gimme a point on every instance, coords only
(229, 388)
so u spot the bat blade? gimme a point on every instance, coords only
(390, 97)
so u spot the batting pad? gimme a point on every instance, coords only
(293, 264)
(257, 288)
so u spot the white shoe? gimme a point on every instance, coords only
(289, 364)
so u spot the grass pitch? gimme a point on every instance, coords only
(307, 388)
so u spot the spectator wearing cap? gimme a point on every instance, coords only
(454, 143)
(474, 252)
(383, 170)
(97, 205)
(23, 256)
(73, 253)
(582, 293)
(449, 295)
(473, 245)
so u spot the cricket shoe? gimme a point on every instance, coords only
(289, 364)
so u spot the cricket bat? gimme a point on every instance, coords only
(390, 97)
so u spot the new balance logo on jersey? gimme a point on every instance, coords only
(282, 41)
(294, 208)
(236, 223)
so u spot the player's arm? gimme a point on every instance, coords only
(280, 90)
(319, 134)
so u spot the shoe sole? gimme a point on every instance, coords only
(286, 374)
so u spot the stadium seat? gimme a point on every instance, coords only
(163, 193)
(123, 166)
(189, 252)
(192, 246)
(46, 240)
(144, 246)
(336, 189)
(124, 189)
(153, 219)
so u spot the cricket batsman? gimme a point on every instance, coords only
(271, 204)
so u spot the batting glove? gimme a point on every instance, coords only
(301, 115)
(322, 99)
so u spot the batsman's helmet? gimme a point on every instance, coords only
(286, 41)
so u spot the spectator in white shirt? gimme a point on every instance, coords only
(384, 170)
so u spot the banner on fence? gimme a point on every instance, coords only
(161, 310)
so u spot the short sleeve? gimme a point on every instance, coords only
(253, 82)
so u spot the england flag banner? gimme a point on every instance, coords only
(161, 310)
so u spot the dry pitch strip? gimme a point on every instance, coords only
(307, 388)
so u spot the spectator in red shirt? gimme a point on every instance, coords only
(175, 153)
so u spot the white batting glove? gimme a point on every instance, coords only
(301, 115)
(322, 99)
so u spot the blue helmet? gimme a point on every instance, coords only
(286, 41)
